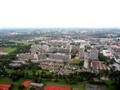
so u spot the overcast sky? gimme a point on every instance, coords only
(59, 13)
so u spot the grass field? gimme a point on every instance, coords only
(7, 50)
(110, 86)
(5, 80)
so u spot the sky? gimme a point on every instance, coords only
(59, 13)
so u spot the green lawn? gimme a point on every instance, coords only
(5, 80)
(110, 86)
(9, 50)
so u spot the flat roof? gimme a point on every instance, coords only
(5, 86)
(26, 83)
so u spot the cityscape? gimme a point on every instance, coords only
(60, 59)
(59, 44)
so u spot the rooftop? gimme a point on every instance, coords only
(26, 83)
(5, 86)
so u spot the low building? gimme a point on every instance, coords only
(26, 83)
(36, 85)
(5, 86)
(29, 84)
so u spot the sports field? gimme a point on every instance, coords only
(56, 87)
(78, 86)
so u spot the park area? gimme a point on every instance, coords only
(52, 85)
(49, 85)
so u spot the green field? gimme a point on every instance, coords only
(7, 50)
(5, 80)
